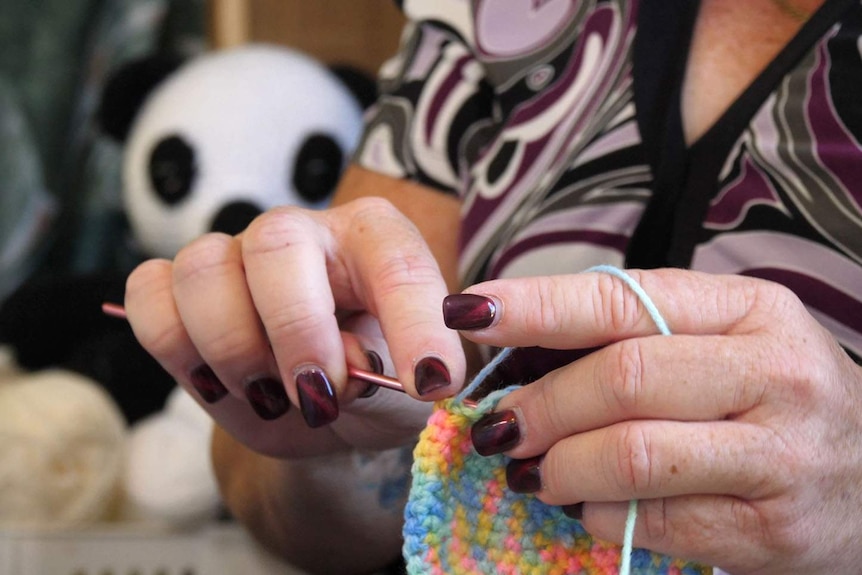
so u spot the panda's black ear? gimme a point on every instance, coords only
(128, 88)
(360, 83)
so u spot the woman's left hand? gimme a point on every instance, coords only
(740, 434)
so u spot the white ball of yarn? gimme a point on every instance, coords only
(62, 442)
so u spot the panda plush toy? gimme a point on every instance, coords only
(211, 142)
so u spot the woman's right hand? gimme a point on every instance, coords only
(252, 327)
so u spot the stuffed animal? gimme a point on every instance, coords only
(212, 142)
(167, 475)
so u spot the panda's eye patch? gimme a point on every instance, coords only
(317, 168)
(172, 169)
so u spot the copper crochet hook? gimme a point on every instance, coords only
(118, 311)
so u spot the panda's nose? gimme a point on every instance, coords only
(234, 217)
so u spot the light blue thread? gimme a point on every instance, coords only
(661, 324)
(644, 298)
(484, 373)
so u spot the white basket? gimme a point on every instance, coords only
(220, 549)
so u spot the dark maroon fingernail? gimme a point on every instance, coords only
(316, 397)
(496, 433)
(267, 397)
(431, 374)
(207, 384)
(524, 476)
(468, 311)
(575, 511)
(375, 364)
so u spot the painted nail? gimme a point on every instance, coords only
(316, 397)
(207, 383)
(496, 433)
(468, 311)
(375, 364)
(524, 475)
(267, 397)
(431, 374)
(575, 511)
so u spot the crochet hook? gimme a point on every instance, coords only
(118, 311)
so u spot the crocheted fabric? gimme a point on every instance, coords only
(461, 518)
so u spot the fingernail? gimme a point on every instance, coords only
(375, 364)
(496, 433)
(267, 397)
(207, 384)
(431, 374)
(316, 397)
(468, 311)
(524, 476)
(575, 511)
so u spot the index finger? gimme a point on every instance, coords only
(404, 287)
(593, 309)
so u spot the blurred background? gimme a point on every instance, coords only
(59, 176)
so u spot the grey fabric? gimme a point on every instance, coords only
(55, 56)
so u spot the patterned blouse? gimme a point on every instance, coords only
(557, 123)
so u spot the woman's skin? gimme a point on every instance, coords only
(766, 478)
(732, 43)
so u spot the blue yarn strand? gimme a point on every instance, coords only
(484, 373)
(644, 298)
(661, 324)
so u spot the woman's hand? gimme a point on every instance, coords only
(740, 434)
(249, 325)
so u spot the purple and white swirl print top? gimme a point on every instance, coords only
(533, 112)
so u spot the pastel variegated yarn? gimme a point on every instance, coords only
(462, 519)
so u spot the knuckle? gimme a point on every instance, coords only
(633, 465)
(622, 376)
(161, 340)
(151, 277)
(208, 256)
(368, 215)
(793, 379)
(406, 263)
(656, 523)
(782, 357)
(407, 268)
(277, 229)
(615, 305)
(553, 308)
(371, 208)
(784, 533)
(787, 466)
(753, 522)
(147, 283)
(228, 346)
(556, 416)
(555, 477)
(292, 320)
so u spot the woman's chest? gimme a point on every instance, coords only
(732, 43)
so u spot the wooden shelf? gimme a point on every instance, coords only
(362, 33)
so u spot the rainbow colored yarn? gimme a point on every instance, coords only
(462, 519)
